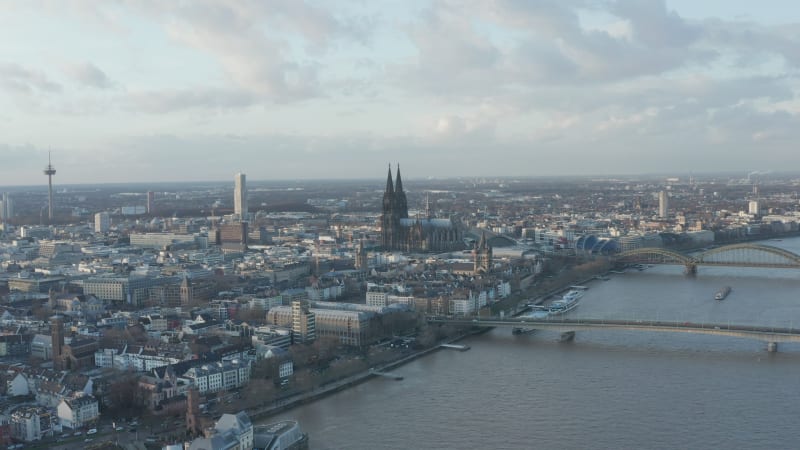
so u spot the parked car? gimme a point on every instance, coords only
(92, 431)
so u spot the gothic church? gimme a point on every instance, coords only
(425, 234)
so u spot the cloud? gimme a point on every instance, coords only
(251, 42)
(654, 26)
(16, 79)
(87, 74)
(504, 45)
(165, 101)
(573, 86)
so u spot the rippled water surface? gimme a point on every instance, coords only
(607, 389)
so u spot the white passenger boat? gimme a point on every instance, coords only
(567, 303)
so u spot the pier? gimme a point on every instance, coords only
(385, 374)
(459, 347)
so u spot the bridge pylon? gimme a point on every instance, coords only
(567, 336)
(772, 347)
(690, 269)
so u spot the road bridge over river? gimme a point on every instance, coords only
(770, 335)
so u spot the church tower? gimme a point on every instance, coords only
(399, 232)
(193, 412)
(186, 292)
(483, 256)
(389, 225)
(401, 203)
(57, 335)
(361, 257)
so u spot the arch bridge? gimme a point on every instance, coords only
(735, 255)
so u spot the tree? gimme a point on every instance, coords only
(325, 349)
(265, 368)
(122, 394)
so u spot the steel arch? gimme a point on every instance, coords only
(758, 248)
(654, 254)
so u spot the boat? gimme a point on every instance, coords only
(722, 293)
(567, 303)
(520, 331)
(572, 294)
(539, 314)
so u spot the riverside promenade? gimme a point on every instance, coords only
(285, 404)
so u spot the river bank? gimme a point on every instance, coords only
(317, 393)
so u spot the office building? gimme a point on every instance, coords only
(6, 208)
(165, 240)
(754, 207)
(350, 327)
(663, 204)
(133, 290)
(151, 198)
(304, 328)
(232, 235)
(240, 196)
(102, 222)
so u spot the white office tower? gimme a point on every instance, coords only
(663, 204)
(6, 208)
(102, 222)
(240, 196)
(754, 207)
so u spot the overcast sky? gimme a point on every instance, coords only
(158, 90)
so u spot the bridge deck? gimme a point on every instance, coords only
(770, 334)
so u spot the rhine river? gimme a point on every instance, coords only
(607, 389)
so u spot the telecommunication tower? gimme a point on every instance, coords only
(49, 171)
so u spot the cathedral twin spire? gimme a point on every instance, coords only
(399, 233)
(395, 195)
(397, 186)
(389, 183)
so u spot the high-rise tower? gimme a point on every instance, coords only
(240, 196)
(6, 208)
(151, 197)
(49, 171)
(663, 204)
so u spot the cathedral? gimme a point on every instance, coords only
(419, 234)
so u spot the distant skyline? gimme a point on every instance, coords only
(158, 91)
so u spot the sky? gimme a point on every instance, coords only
(188, 90)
